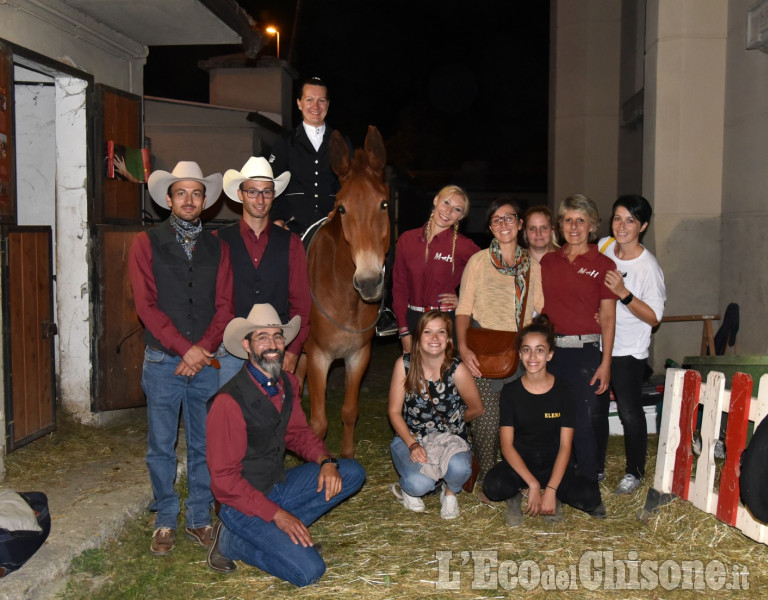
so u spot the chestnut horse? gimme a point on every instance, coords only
(345, 261)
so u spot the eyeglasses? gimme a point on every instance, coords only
(508, 219)
(264, 339)
(253, 193)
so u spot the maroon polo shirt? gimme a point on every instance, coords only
(573, 290)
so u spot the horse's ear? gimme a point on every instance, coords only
(375, 149)
(339, 152)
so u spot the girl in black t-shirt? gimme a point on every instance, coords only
(536, 435)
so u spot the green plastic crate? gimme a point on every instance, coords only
(755, 365)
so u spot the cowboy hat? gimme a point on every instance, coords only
(257, 168)
(260, 317)
(186, 170)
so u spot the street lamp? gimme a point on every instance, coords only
(273, 31)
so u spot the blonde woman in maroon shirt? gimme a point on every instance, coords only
(429, 262)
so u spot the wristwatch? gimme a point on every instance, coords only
(331, 460)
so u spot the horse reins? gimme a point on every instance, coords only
(320, 307)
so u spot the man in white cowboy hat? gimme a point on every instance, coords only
(182, 287)
(257, 416)
(269, 265)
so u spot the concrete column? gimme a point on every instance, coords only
(683, 156)
(745, 183)
(584, 101)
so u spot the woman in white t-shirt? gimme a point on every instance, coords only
(638, 281)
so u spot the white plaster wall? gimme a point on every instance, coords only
(36, 154)
(744, 265)
(72, 252)
(55, 30)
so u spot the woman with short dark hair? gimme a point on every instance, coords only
(638, 281)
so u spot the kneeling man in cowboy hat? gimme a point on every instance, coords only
(269, 264)
(182, 287)
(252, 420)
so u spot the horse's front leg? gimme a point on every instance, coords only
(301, 372)
(318, 364)
(354, 367)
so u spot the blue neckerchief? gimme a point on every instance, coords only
(263, 380)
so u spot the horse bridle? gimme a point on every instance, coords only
(320, 306)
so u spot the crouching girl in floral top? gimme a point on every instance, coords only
(432, 397)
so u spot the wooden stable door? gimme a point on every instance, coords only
(29, 330)
(119, 334)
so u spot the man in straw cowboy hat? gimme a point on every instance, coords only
(182, 286)
(252, 421)
(269, 265)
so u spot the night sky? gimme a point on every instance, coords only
(460, 88)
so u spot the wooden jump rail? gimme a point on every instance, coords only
(683, 393)
(707, 333)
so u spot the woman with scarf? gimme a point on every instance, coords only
(497, 283)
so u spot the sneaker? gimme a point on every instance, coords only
(387, 324)
(558, 516)
(202, 536)
(720, 449)
(696, 446)
(599, 512)
(514, 515)
(449, 506)
(163, 540)
(628, 485)
(410, 502)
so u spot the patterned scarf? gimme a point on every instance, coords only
(518, 270)
(186, 233)
(263, 380)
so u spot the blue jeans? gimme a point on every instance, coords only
(230, 365)
(413, 483)
(265, 546)
(167, 394)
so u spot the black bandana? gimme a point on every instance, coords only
(186, 233)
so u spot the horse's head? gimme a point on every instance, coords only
(361, 205)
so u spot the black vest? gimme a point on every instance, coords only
(265, 453)
(186, 290)
(267, 284)
(311, 192)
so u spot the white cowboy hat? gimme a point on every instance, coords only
(186, 170)
(258, 168)
(260, 317)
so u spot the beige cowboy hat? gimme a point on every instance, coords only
(186, 170)
(258, 168)
(260, 317)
